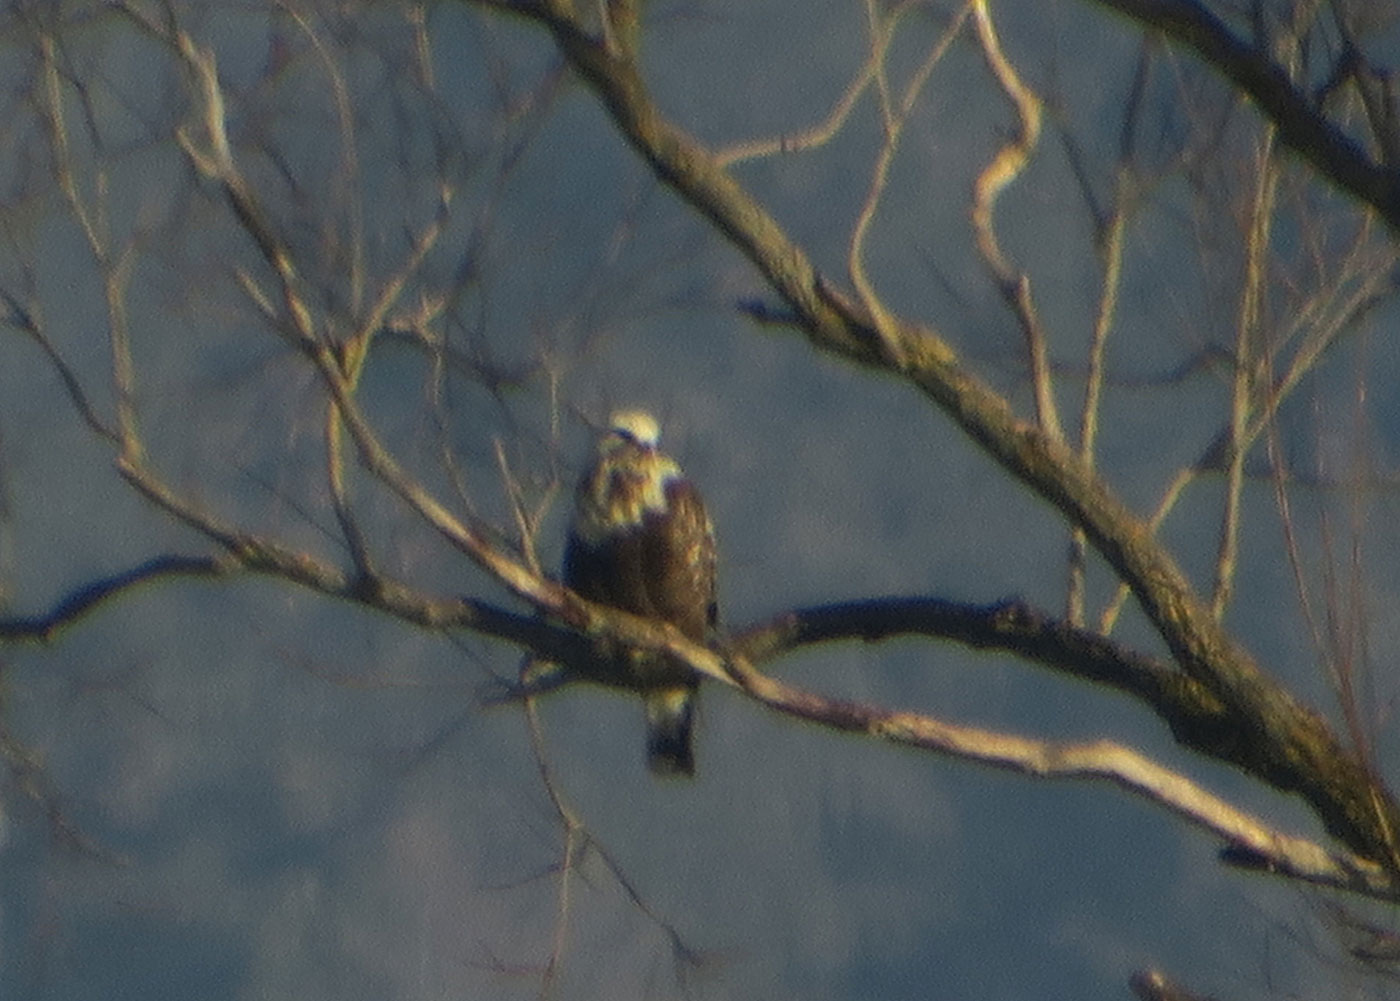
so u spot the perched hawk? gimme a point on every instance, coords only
(642, 542)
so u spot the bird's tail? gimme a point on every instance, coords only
(670, 717)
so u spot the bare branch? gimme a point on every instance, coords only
(31, 781)
(1153, 985)
(79, 602)
(1299, 751)
(1011, 626)
(1008, 163)
(894, 118)
(811, 138)
(1243, 392)
(1100, 760)
(26, 319)
(1302, 126)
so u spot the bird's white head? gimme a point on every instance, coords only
(636, 426)
(628, 480)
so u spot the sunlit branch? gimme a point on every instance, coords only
(1110, 244)
(338, 491)
(1005, 166)
(353, 354)
(88, 218)
(882, 33)
(1153, 985)
(1242, 387)
(1109, 227)
(921, 354)
(1099, 760)
(115, 269)
(1095, 760)
(1297, 751)
(808, 139)
(338, 365)
(424, 241)
(119, 337)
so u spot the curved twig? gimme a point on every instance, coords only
(1292, 748)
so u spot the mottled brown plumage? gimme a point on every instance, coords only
(642, 542)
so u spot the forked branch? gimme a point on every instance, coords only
(1294, 749)
(1302, 124)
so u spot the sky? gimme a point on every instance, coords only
(285, 797)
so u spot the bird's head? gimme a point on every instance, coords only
(629, 478)
(632, 427)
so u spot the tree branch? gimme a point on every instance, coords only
(1282, 742)
(1302, 126)
(1101, 760)
(1009, 626)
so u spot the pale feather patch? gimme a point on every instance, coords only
(619, 495)
(666, 704)
(637, 425)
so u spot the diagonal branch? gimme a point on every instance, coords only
(1010, 626)
(81, 601)
(1284, 743)
(1302, 126)
(1198, 720)
(1099, 760)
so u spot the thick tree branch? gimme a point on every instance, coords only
(1281, 742)
(1010, 626)
(1197, 719)
(1302, 126)
(1101, 760)
(595, 657)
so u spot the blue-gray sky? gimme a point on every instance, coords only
(310, 801)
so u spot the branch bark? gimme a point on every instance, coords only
(1277, 739)
(1302, 125)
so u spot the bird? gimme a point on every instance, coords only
(640, 540)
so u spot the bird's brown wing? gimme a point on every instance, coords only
(679, 562)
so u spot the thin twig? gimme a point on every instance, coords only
(1242, 392)
(807, 139)
(895, 118)
(1111, 256)
(1008, 163)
